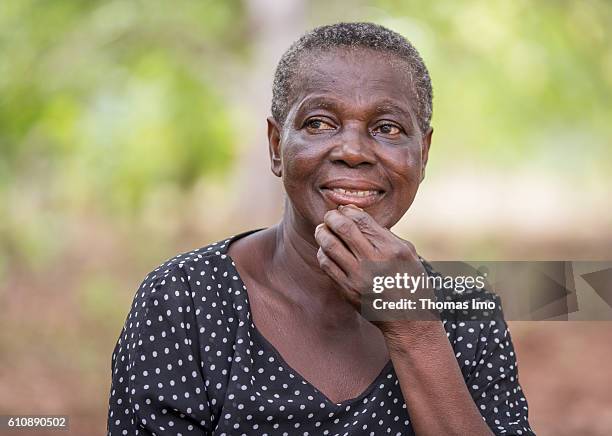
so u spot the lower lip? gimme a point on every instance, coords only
(344, 199)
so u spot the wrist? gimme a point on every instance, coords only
(410, 336)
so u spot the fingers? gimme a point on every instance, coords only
(330, 267)
(362, 219)
(334, 249)
(348, 231)
(337, 275)
(379, 237)
(368, 227)
(337, 262)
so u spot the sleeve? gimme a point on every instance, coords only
(494, 381)
(158, 387)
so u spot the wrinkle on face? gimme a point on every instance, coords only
(355, 90)
(313, 76)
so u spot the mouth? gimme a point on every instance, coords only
(360, 197)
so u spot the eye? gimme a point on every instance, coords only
(318, 125)
(387, 129)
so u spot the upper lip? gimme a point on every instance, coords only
(353, 185)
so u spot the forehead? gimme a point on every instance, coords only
(357, 76)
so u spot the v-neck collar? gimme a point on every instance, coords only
(387, 368)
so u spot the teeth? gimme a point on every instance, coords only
(354, 192)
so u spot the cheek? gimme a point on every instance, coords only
(300, 166)
(300, 162)
(404, 170)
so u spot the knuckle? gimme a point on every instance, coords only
(343, 227)
(327, 243)
(329, 215)
(396, 252)
(401, 251)
(331, 245)
(361, 221)
(324, 262)
(410, 247)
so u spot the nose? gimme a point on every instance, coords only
(353, 148)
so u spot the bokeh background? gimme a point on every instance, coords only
(134, 130)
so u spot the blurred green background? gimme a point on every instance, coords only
(134, 130)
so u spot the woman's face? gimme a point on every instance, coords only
(351, 136)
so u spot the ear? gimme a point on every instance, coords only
(274, 133)
(425, 151)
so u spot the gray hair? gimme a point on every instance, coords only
(352, 35)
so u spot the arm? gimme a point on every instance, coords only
(354, 248)
(157, 383)
(435, 392)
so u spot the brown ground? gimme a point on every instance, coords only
(58, 329)
(565, 370)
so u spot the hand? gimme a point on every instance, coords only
(354, 249)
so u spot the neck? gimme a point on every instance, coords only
(295, 264)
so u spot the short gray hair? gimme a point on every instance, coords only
(352, 35)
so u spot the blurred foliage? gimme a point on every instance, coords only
(102, 102)
(518, 83)
(106, 104)
(116, 116)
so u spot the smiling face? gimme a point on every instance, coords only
(351, 136)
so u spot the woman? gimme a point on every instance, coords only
(261, 334)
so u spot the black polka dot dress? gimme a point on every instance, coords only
(189, 361)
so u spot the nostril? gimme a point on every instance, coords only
(353, 154)
(352, 164)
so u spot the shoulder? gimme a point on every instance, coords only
(462, 292)
(182, 263)
(200, 287)
(471, 317)
(197, 287)
(184, 268)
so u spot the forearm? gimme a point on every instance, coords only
(437, 399)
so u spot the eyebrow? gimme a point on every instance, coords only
(383, 107)
(392, 108)
(317, 102)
